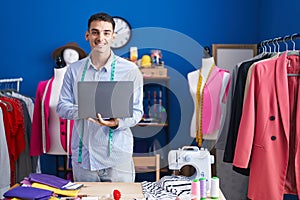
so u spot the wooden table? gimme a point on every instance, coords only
(129, 191)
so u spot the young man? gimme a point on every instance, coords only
(101, 149)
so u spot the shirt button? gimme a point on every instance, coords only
(63, 133)
(272, 118)
(273, 138)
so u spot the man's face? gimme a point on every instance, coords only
(100, 36)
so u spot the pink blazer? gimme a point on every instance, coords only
(264, 133)
(36, 140)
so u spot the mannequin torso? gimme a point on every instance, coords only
(54, 123)
(69, 56)
(193, 77)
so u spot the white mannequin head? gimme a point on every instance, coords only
(70, 56)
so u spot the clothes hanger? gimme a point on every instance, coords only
(294, 51)
(270, 52)
(8, 89)
(277, 43)
(8, 105)
(286, 44)
(274, 45)
(274, 52)
(265, 47)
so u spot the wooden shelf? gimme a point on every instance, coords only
(156, 78)
(62, 169)
(151, 124)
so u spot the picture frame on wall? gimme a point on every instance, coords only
(228, 55)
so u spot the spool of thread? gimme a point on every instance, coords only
(214, 190)
(195, 193)
(203, 188)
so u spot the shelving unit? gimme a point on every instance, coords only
(159, 91)
(148, 133)
(62, 166)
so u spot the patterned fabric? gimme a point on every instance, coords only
(168, 188)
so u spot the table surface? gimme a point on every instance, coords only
(129, 191)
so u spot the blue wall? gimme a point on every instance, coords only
(32, 29)
(278, 19)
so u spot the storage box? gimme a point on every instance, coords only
(154, 72)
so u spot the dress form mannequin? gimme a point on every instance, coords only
(193, 77)
(49, 132)
(69, 56)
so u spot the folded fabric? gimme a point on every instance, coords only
(47, 179)
(178, 185)
(152, 191)
(51, 198)
(168, 188)
(69, 193)
(28, 193)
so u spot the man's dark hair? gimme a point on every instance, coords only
(101, 17)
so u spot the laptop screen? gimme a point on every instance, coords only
(112, 99)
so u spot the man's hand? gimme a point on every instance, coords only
(112, 123)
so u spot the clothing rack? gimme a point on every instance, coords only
(274, 41)
(12, 80)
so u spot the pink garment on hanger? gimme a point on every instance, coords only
(36, 143)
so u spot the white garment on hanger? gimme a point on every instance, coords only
(4, 159)
(29, 102)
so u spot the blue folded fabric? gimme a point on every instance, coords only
(28, 193)
(47, 179)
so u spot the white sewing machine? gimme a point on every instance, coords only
(200, 159)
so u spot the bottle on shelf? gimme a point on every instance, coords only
(154, 105)
(149, 104)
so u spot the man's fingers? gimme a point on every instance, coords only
(93, 120)
(99, 117)
(103, 122)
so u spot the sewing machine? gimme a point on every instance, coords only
(200, 159)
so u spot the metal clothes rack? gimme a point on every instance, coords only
(12, 80)
(274, 41)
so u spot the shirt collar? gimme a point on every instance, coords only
(107, 64)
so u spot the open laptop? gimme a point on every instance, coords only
(112, 99)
